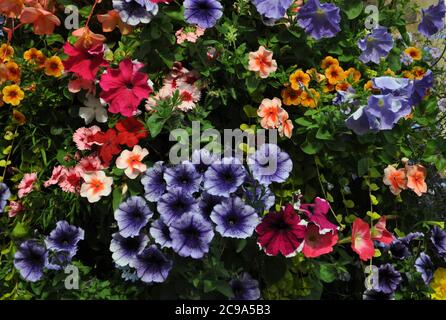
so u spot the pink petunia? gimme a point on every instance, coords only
(56, 176)
(27, 184)
(317, 213)
(71, 180)
(380, 233)
(84, 62)
(317, 243)
(362, 242)
(89, 164)
(82, 137)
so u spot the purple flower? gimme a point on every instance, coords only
(5, 193)
(421, 88)
(235, 219)
(245, 288)
(388, 109)
(161, 233)
(362, 122)
(406, 59)
(224, 177)
(202, 159)
(272, 9)
(134, 12)
(399, 250)
(183, 176)
(30, 259)
(433, 19)
(345, 97)
(388, 279)
(152, 265)
(424, 265)
(125, 249)
(375, 295)
(207, 203)
(438, 240)
(260, 197)
(191, 236)
(204, 13)
(153, 182)
(319, 20)
(375, 45)
(395, 86)
(132, 215)
(175, 204)
(64, 237)
(269, 164)
(59, 260)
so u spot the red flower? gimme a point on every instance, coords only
(317, 244)
(83, 62)
(109, 143)
(362, 242)
(317, 213)
(380, 233)
(281, 232)
(131, 131)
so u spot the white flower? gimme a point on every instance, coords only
(93, 109)
(96, 185)
(131, 161)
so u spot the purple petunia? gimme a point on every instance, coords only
(175, 204)
(388, 279)
(204, 13)
(224, 177)
(191, 235)
(152, 265)
(125, 249)
(132, 215)
(183, 176)
(433, 19)
(260, 197)
(388, 109)
(424, 265)
(202, 159)
(153, 182)
(272, 9)
(362, 122)
(235, 219)
(270, 164)
(59, 260)
(438, 240)
(245, 288)
(134, 12)
(64, 237)
(319, 20)
(207, 203)
(375, 45)
(5, 193)
(30, 259)
(421, 88)
(161, 233)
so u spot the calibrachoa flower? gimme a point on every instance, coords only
(273, 9)
(153, 182)
(131, 161)
(95, 186)
(245, 288)
(124, 88)
(84, 62)
(362, 242)
(262, 62)
(424, 265)
(13, 95)
(161, 234)
(281, 232)
(234, 219)
(375, 45)
(433, 19)
(26, 185)
(83, 137)
(124, 250)
(439, 284)
(317, 243)
(132, 215)
(133, 12)
(319, 20)
(53, 66)
(30, 259)
(5, 193)
(388, 279)
(299, 79)
(438, 241)
(64, 237)
(416, 174)
(174, 204)
(396, 179)
(152, 265)
(204, 13)
(191, 235)
(183, 176)
(224, 177)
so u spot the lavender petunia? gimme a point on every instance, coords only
(5, 193)
(362, 122)
(183, 176)
(161, 233)
(438, 240)
(132, 215)
(260, 197)
(388, 109)
(245, 288)
(202, 159)
(125, 249)
(424, 265)
(134, 12)
(375, 45)
(433, 19)
(64, 237)
(388, 279)
(421, 88)
(59, 260)
(153, 182)
(224, 177)
(319, 20)
(152, 265)
(272, 9)
(30, 259)
(175, 204)
(207, 203)
(204, 13)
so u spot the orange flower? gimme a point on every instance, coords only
(396, 179)
(33, 55)
(416, 175)
(299, 79)
(270, 111)
(343, 86)
(18, 117)
(13, 94)
(291, 97)
(111, 20)
(414, 53)
(6, 52)
(368, 85)
(328, 88)
(86, 38)
(13, 72)
(43, 21)
(11, 8)
(262, 61)
(418, 72)
(328, 62)
(286, 126)
(310, 98)
(54, 67)
(3, 73)
(353, 74)
(335, 74)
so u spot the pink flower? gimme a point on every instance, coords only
(286, 125)
(189, 95)
(70, 181)
(270, 112)
(82, 137)
(262, 62)
(317, 243)
(124, 88)
(380, 233)
(76, 85)
(317, 213)
(89, 164)
(26, 185)
(362, 242)
(84, 62)
(131, 161)
(15, 207)
(57, 175)
(96, 185)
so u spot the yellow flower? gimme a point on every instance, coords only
(353, 74)
(6, 52)
(33, 55)
(54, 66)
(310, 98)
(299, 79)
(291, 97)
(438, 284)
(342, 86)
(328, 62)
(418, 72)
(389, 72)
(13, 71)
(368, 85)
(13, 94)
(335, 74)
(414, 53)
(19, 117)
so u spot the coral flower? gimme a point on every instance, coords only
(131, 161)
(43, 21)
(84, 63)
(291, 97)
(328, 62)
(269, 111)
(13, 94)
(380, 233)
(27, 184)
(310, 98)
(54, 67)
(416, 175)
(362, 242)
(33, 55)
(317, 243)
(299, 79)
(130, 131)
(262, 61)
(286, 125)
(414, 53)
(11, 8)
(18, 117)
(111, 20)
(95, 186)
(87, 39)
(396, 179)
(335, 74)
(124, 88)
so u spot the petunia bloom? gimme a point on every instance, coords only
(416, 175)
(30, 259)
(84, 62)
(95, 186)
(424, 265)
(43, 21)
(270, 111)
(262, 62)
(134, 12)
(132, 215)
(362, 242)
(5, 193)
(319, 20)
(317, 213)
(245, 288)
(64, 238)
(396, 179)
(152, 265)
(131, 161)
(433, 19)
(317, 243)
(204, 13)
(224, 177)
(124, 250)
(375, 45)
(26, 185)
(272, 9)
(93, 110)
(111, 20)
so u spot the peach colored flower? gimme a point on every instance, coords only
(270, 111)
(43, 21)
(262, 62)
(95, 186)
(131, 161)
(26, 185)
(286, 125)
(87, 39)
(416, 175)
(11, 8)
(396, 179)
(76, 85)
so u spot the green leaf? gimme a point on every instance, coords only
(304, 122)
(363, 167)
(155, 124)
(117, 198)
(323, 134)
(51, 39)
(250, 111)
(311, 147)
(349, 204)
(20, 231)
(327, 272)
(353, 8)
(224, 288)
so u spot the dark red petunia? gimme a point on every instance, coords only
(281, 232)
(85, 63)
(109, 142)
(130, 131)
